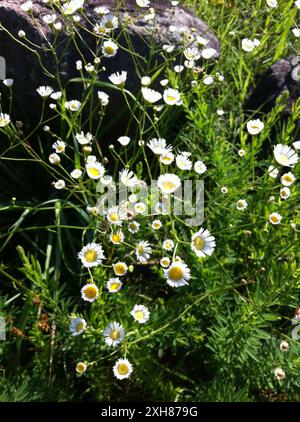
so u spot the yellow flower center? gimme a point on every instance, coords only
(283, 159)
(139, 315)
(274, 218)
(114, 286)
(240, 204)
(79, 327)
(109, 50)
(199, 243)
(90, 255)
(115, 334)
(175, 273)
(80, 367)
(123, 369)
(168, 185)
(94, 172)
(120, 269)
(90, 292)
(114, 217)
(288, 178)
(171, 98)
(116, 237)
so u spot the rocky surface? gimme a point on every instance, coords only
(280, 78)
(23, 64)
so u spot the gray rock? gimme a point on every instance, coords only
(24, 66)
(278, 79)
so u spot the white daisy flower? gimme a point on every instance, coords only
(275, 218)
(116, 215)
(279, 372)
(133, 226)
(84, 139)
(146, 81)
(26, 6)
(101, 10)
(124, 140)
(95, 170)
(140, 207)
(118, 79)
(56, 95)
(247, 45)
(44, 91)
(150, 95)
(143, 3)
(91, 159)
(183, 163)
(168, 245)
(114, 334)
(200, 167)
(4, 119)
(168, 48)
(178, 274)
(140, 313)
(73, 105)
(167, 158)
(109, 22)
(156, 224)
(202, 41)
(208, 80)
(91, 255)
(103, 97)
(273, 172)
(60, 184)
(81, 367)
(8, 82)
(191, 54)
(117, 237)
(296, 145)
(296, 32)
(109, 48)
(285, 155)
(89, 292)
(224, 189)
(272, 3)
(77, 326)
(21, 34)
(72, 6)
(122, 369)
(254, 127)
(203, 243)
(54, 158)
(159, 146)
(296, 73)
(127, 178)
(241, 204)
(120, 268)
(76, 173)
(208, 53)
(242, 153)
(114, 285)
(143, 251)
(168, 183)
(287, 179)
(285, 193)
(165, 262)
(172, 97)
(59, 147)
(49, 19)
(297, 4)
